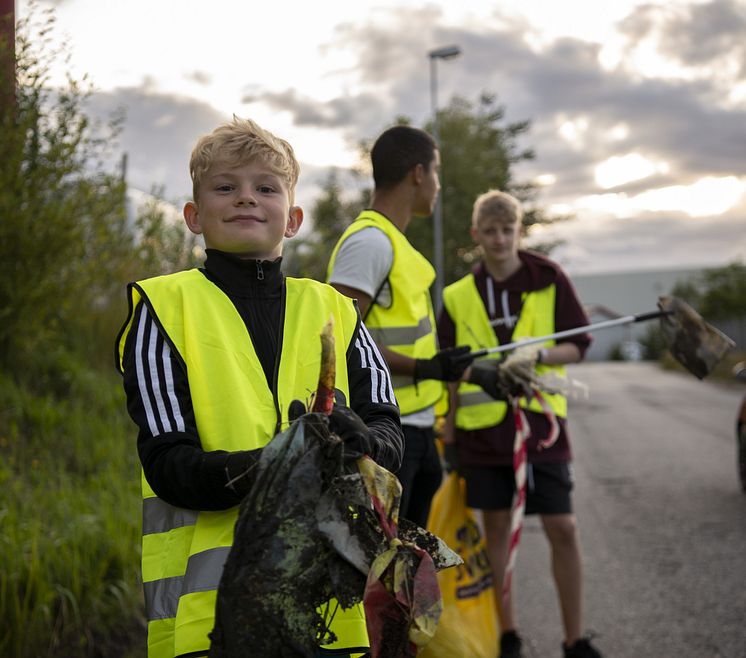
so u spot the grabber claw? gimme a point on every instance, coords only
(695, 344)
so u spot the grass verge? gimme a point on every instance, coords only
(70, 517)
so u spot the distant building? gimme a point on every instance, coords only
(615, 294)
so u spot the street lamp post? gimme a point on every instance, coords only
(447, 52)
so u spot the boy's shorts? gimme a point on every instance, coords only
(548, 487)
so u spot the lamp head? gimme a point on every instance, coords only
(446, 52)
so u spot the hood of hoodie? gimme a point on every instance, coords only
(536, 272)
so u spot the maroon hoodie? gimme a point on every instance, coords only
(494, 445)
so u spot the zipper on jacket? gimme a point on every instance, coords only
(259, 271)
(276, 373)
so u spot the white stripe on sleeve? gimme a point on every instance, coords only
(153, 361)
(175, 409)
(372, 358)
(364, 360)
(141, 376)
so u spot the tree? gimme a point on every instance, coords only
(66, 240)
(68, 244)
(331, 214)
(58, 210)
(717, 293)
(163, 244)
(478, 152)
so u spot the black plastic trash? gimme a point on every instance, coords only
(307, 533)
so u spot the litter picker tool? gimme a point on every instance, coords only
(695, 344)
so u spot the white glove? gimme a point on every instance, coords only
(520, 366)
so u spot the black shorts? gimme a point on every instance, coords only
(548, 487)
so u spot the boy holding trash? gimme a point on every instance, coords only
(514, 294)
(212, 359)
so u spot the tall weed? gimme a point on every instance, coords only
(69, 509)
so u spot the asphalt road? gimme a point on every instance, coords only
(662, 520)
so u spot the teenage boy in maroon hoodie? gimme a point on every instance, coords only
(510, 295)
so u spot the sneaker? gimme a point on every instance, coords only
(510, 645)
(582, 648)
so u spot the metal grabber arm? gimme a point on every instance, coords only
(695, 344)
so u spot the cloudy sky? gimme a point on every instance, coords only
(637, 109)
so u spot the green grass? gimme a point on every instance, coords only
(70, 521)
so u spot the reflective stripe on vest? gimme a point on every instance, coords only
(203, 573)
(184, 551)
(401, 335)
(408, 325)
(461, 299)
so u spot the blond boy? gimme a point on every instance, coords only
(212, 359)
(513, 294)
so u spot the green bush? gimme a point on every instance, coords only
(615, 353)
(69, 473)
(653, 343)
(718, 293)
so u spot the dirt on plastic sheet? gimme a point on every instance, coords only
(307, 533)
(280, 568)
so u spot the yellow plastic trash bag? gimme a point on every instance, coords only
(468, 623)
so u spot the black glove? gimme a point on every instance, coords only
(450, 457)
(487, 374)
(349, 427)
(296, 410)
(447, 365)
(239, 467)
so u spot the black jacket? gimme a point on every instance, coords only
(158, 399)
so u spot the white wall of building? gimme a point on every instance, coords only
(623, 293)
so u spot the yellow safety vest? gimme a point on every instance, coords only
(183, 550)
(408, 325)
(461, 299)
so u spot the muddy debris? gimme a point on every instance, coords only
(307, 534)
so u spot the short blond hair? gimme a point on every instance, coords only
(239, 142)
(500, 205)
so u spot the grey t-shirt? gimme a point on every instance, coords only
(363, 262)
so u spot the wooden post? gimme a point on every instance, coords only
(7, 53)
